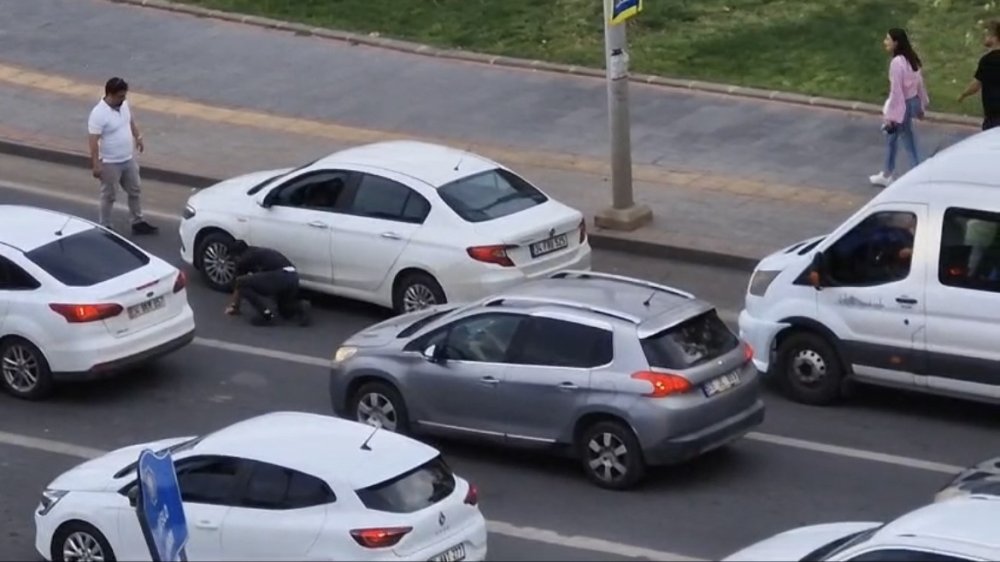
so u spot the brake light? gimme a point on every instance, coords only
(583, 231)
(81, 313)
(747, 352)
(664, 384)
(472, 496)
(380, 537)
(180, 282)
(491, 254)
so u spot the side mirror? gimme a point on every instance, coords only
(817, 272)
(133, 495)
(262, 201)
(433, 353)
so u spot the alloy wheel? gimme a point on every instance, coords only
(418, 297)
(376, 410)
(217, 264)
(607, 457)
(21, 369)
(82, 547)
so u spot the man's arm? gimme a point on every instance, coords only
(94, 129)
(973, 88)
(136, 134)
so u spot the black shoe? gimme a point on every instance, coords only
(305, 313)
(143, 227)
(264, 319)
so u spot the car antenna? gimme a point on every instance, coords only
(461, 158)
(63, 227)
(364, 446)
(650, 299)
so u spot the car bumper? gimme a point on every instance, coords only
(473, 537)
(678, 449)
(186, 230)
(43, 534)
(95, 358)
(482, 280)
(760, 335)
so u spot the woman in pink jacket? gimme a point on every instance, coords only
(907, 100)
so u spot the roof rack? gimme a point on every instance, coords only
(581, 274)
(564, 303)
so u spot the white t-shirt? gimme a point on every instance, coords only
(115, 127)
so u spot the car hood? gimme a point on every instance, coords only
(983, 478)
(384, 332)
(226, 191)
(797, 543)
(782, 259)
(98, 474)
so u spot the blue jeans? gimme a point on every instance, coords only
(904, 130)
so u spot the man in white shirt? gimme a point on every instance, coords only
(114, 136)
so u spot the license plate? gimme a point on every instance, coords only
(453, 554)
(548, 246)
(145, 307)
(721, 384)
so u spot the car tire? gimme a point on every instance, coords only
(809, 370)
(211, 261)
(416, 291)
(21, 360)
(386, 407)
(83, 535)
(599, 465)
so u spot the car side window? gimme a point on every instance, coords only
(382, 198)
(14, 278)
(321, 191)
(484, 338)
(970, 250)
(905, 555)
(278, 488)
(560, 343)
(209, 480)
(875, 252)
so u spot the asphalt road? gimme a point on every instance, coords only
(866, 460)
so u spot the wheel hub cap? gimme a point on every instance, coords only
(20, 368)
(607, 456)
(82, 547)
(809, 367)
(418, 297)
(377, 411)
(217, 264)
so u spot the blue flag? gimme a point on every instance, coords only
(160, 509)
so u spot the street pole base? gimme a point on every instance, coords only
(626, 219)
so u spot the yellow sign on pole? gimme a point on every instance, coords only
(622, 10)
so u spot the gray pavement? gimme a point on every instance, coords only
(703, 509)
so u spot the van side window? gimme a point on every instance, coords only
(875, 252)
(970, 250)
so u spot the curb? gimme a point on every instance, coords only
(537, 65)
(617, 243)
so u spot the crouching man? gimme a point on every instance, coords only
(264, 274)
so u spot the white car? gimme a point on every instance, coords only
(280, 486)
(78, 301)
(400, 224)
(981, 478)
(959, 529)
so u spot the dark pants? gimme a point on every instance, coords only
(282, 286)
(991, 121)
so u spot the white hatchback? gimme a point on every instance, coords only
(79, 302)
(401, 224)
(280, 486)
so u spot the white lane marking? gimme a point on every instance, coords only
(46, 192)
(263, 352)
(851, 452)
(532, 534)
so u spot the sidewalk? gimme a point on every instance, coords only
(724, 176)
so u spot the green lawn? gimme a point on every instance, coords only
(817, 47)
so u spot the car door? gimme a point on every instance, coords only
(458, 391)
(963, 301)
(278, 516)
(208, 489)
(872, 295)
(548, 382)
(297, 219)
(382, 214)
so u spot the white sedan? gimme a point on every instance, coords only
(401, 224)
(78, 302)
(280, 486)
(956, 530)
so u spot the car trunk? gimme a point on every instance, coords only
(146, 296)
(544, 235)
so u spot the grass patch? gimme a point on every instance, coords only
(814, 47)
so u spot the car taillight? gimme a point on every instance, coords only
(747, 352)
(664, 384)
(491, 254)
(379, 537)
(180, 282)
(583, 231)
(80, 313)
(472, 496)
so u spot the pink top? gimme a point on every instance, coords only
(904, 83)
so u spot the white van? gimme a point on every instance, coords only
(905, 293)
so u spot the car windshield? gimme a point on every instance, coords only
(690, 343)
(419, 324)
(412, 491)
(88, 258)
(490, 195)
(833, 548)
(261, 185)
(185, 445)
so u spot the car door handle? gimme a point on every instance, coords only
(208, 525)
(391, 235)
(906, 300)
(489, 380)
(318, 224)
(567, 386)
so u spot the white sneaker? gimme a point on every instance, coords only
(880, 179)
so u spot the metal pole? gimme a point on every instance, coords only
(616, 59)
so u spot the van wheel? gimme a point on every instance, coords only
(212, 260)
(611, 455)
(809, 370)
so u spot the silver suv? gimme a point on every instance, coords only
(619, 372)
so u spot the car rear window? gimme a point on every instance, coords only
(411, 491)
(690, 343)
(87, 258)
(490, 195)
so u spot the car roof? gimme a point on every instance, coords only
(971, 520)
(26, 228)
(433, 164)
(322, 446)
(652, 307)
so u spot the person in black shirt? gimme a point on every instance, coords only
(262, 273)
(987, 78)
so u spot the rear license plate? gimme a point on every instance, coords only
(453, 554)
(145, 307)
(548, 246)
(721, 384)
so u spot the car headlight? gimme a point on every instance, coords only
(49, 499)
(344, 353)
(188, 212)
(760, 281)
